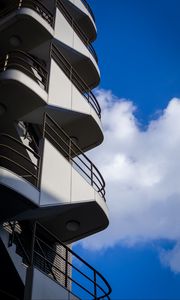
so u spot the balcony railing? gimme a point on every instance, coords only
(76, 79)
(77, 29)
(70, 150)
(67, 269)
(88, 8)
(36, 5)
(27, 64)
(16, 157)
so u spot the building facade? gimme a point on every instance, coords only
(51, 193)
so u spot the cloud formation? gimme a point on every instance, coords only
(142, 172)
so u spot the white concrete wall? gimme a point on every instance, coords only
(62, 92)
(65, 33)
(56, 177)
(46, 288)
(61, 183)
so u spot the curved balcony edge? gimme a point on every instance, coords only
(22, 75)
(34, 5)
(76, 79)
(83, 18)
(86, 280)
(81, 34)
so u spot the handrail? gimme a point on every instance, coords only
(73, 153)
(36, 5)
(76, 27)
(76, 79)
(88, 8)
(93, 288)
(11, 159)
(86, 280)
(28, 64)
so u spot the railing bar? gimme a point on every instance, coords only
(26, 55)
(75, 74)
(22, 155)
(78, 257)
(4, 157)
(101, 180)
(69, 263)
(67, 154)
(15, 65)
(50, 269)
(77, 157)
(94, 103)
(18, 142)
(81, 34)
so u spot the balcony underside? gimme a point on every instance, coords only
(90, 217)
(23, 23)
(82, 64)
(82, 19)
(12, 203)
(19, 94)
(72, 122)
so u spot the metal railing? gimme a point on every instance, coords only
(74, 154)
(27, 64)
(77, 29)
(14, 155)
(88, 8)
(76, 79)
(85, 281)
(36, 5)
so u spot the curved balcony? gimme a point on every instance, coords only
(26, 18)
(71, 73)
(76, 28)
(82, 13)
(88, 8)
(74, 276)
(15, 167)
(76, 195)
(22, 75)
(74, 45)
(71, 151)
(73, 101)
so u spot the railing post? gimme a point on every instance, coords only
(30, 270)
(92, 175)
(95, 285)
(66, 269)
(70, 145)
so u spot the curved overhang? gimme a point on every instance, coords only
(83, 18)
(17, 25)
(85, 66)
(72, 122)
(90, 217)
(15, 195)
(27, 91)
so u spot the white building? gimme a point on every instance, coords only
(51, 192)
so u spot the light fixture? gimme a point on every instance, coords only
(72, 226)
(14, 41)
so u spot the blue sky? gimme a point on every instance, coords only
(139, 53)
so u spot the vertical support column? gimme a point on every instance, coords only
(30, 270)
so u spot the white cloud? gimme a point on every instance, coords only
(142, 173)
